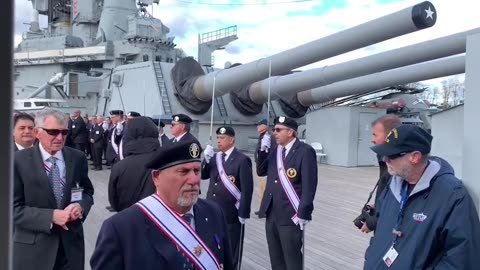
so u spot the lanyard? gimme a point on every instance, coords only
(403, 201)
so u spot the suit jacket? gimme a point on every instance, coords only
(303, 160)
(79, 131)
(35, 240)
(165, 140)
(96, 133)
(129, 240)
(188, 137)
(239, 166)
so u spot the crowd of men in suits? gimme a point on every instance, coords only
(155, 185)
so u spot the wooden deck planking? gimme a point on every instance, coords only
(332, 242)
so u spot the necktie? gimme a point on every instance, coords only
(175, 140)
(224, 155)
(185, 261)
(56, 182)
(188, 218)
(284, 153)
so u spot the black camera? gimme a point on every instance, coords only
(367, 211)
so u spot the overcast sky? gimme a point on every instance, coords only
(269, 28)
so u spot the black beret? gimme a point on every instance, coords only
(181, 118)
(403, 140)
(175, 154)
(285, 121)
(262, 122)
(116, 112)
(224, 130)
(162, 124)
(133, 114)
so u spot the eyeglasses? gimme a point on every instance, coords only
(55, 132)
(279, 129)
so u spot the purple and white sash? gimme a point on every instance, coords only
(231, 187)
(287, 185)
(179, 232)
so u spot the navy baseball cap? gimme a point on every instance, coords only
(403, 140)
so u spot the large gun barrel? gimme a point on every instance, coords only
(393, 25)
(285, 86)
(405, 21)
(414, 73)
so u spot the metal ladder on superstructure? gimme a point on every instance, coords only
(167, 109)
(218, 100)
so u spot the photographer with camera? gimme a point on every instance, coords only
(367, 220)
(426, 218)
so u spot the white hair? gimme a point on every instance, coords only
(42, 115)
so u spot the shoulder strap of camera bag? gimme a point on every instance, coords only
(371, 193)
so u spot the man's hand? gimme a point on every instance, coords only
(302, 223)
(365, 228)
(75, 211)
(208, 153)
(61, 217)
(242, 220)
(265, 143)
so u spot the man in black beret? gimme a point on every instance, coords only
(115, 136)
(291, 183)
(424, 203)
(181, 128)
(131, 115)
(172, 229)
(262, 129)
(114, 148)
(231, 184)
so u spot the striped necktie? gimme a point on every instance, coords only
(186, 263)
(56, 182)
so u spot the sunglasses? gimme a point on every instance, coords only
(392, 157)
(55, 132)
(279, 129)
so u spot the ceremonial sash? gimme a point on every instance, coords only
(112, 141)
(232, 189)
(287, 185)
(179, 232)
(118, 149)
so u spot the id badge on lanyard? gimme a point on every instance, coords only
(392, 254)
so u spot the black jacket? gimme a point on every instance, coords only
(129, 180)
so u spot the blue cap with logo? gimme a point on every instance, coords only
(404, 139)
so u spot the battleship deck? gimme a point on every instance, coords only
(332, 242)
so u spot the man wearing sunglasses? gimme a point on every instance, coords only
(52, 198)
(287, 203)
(426, 218)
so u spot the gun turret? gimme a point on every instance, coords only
(194, 89)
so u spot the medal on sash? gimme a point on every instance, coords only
(226, 180)
(287, 185)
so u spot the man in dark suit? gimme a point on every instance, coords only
(68, 139)
(96, 142)
(23, 136)
(291, 169)
(115, 136)
(172, 229)
(52, 197)
(164, 140)
(233, 189)
(79, 132)
(181, 128)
